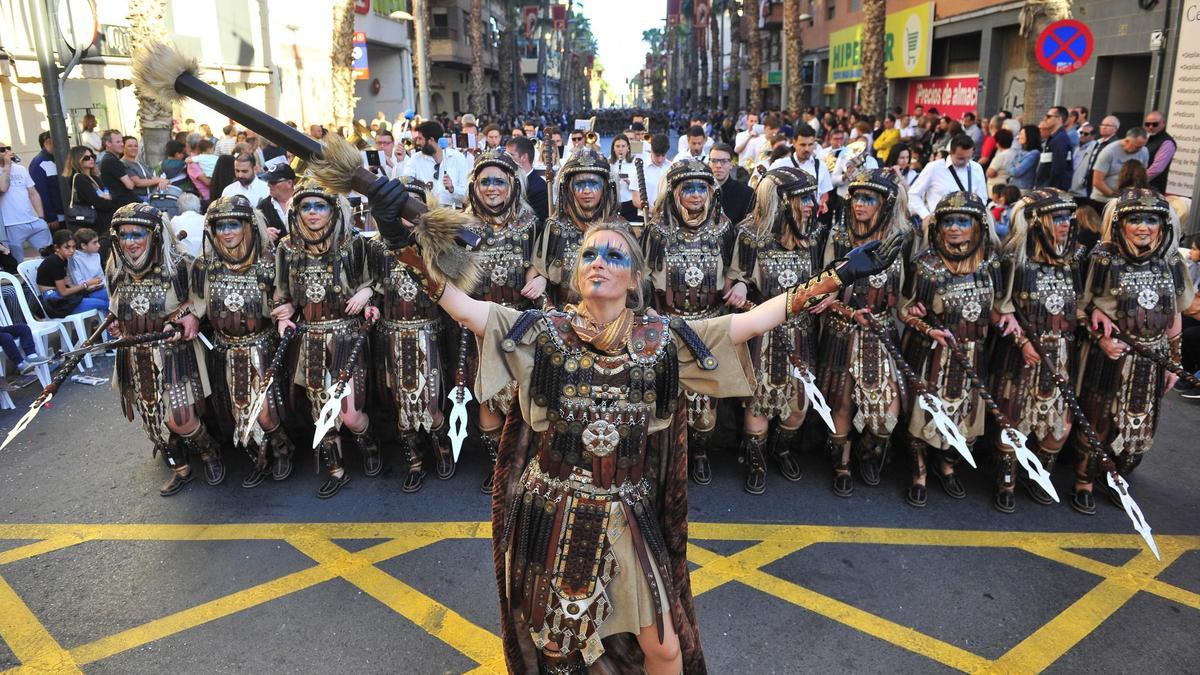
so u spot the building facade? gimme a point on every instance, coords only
(273, 54)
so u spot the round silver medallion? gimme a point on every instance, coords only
(499, 275)
(971, 311)
(234, 302)
(788, 278)
(1147, 298)
(140, 304)
(1054, 303)
(878, 280)
(314, 292)
(693, 276)
(407, 289)
(600, 438)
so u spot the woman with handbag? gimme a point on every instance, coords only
(59, 295)
(90, 204)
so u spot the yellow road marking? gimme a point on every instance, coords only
(435, 618)
(231, 604)
(39, 652)
(28, 639)
(1047, 644)
(865, 622)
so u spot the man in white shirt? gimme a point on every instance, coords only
(698, 146)
(742, 141)
(654, 169)
(247, 184)
(20, 207)
(956, 173)
(804, 157)
(444, 169)
(681, 147)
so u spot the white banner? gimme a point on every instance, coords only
(1183, 120)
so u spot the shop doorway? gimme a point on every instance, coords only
(1121, 87)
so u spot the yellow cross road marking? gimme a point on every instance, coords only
(38, 651)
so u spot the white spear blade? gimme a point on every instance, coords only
(329, 412)
(460, 396)
(815, 398)
(256, 406)
(1016, 440)
(1116, 482)
(25, 420)
(946, 426)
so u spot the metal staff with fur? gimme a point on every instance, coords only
(338, 391)
(166, 73)
(242, 437)
(1149, 354)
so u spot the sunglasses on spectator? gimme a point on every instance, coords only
(1151, 124)
(577, 139)
(1085, 133)
(87, 157)
(5, 149)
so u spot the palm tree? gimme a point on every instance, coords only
(542, 56)
(1039, 84)
(506, 61)
(653, 37)
(154, 118)
(873, 86)
(714, 42)
(478, 96)
(733, 76)
(342, 56)
(791, 42)
(750, 22)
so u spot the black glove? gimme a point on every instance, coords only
(387, 199)
(872, 257)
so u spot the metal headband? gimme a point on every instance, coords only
(961, 202)
(1141, 200)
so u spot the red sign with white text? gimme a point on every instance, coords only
(952, 96)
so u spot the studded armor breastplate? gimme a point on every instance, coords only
(504, 255)
(1046, 297)
(403, 299)
(562, 254)
(965, 305)
(321, 285)
(1144, 292)
(877, 292)
(141, 304)
(692, 266)
(599, 406)
(237, 301)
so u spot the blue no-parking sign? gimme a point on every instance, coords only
(1065, 46)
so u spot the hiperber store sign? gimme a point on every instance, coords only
(906, 46)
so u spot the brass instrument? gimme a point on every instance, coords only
(591, 138)
(855, 153)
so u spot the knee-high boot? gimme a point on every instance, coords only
(698, 464)
(839, 454)
(414, 456)
(200, 442)
(783, 447)
(756, 465)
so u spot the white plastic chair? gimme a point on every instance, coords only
(28, 271)
(42, 329)
(6, 402)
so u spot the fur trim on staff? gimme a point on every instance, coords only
(334, 169)
(445, 260)
(157, 65)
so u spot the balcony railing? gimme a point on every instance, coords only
(443, 33)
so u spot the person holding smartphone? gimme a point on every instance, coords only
(20, 206)
(437, 164)
(625, 174)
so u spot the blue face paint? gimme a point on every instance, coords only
(222, 226)
(612, 255)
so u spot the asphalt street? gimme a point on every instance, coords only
(221, 579)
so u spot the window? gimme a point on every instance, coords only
(466, 26)
(830, 9)
(812, 13)
(854, 5)
(440, 19)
